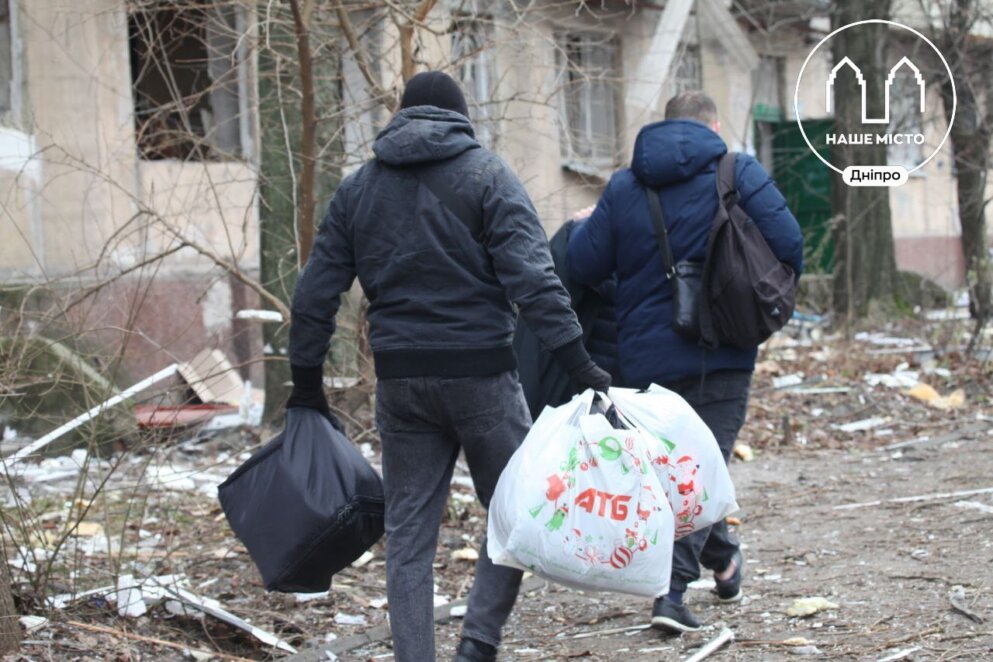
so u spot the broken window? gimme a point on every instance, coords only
(474, 58)
(590, 96)
(6, 57)
(186, 66)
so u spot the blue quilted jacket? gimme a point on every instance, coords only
(680, 158)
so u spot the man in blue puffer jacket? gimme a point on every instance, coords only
(679, 157)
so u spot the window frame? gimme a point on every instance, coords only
(241, 76)
(579, 152)
(469, 63)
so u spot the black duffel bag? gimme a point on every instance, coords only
(306, 505)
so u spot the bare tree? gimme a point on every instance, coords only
(970, 58)
(865, 263)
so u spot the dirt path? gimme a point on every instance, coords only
(889, 567)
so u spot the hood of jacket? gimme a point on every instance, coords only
(674, 151)
(421, 134)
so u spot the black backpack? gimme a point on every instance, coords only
(747, 293)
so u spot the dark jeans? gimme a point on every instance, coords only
(721, 400)
(423, 422)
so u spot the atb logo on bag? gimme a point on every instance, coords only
(893, 108)
(618, 504)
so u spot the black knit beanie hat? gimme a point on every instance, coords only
(434, 88)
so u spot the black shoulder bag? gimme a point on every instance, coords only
(685, 277)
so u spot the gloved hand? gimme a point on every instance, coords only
(308, 392)
(583, 372)
(590, 376)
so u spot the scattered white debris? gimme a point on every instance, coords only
(974, 505)
(441, 600)
(260, 315)
(168, 477)
(362, 560)
(166, 588)
(130, 601)
(884, 340)
(90, 414)
(349, 619)
(310, 597)
(704, 584)
(713, 645)
(900, 654)
(9, 434)
(897, 379)
(458, 611)
(32, 623)
(787, 380)
(863, 425)
(378, 603)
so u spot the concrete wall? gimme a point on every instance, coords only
(79, 205)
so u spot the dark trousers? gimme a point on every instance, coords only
(423, 422)
(721, 400)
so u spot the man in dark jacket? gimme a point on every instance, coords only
(679, 156)
(441, 317)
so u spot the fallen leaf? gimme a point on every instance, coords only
(809, 606)
(88, 529)
(744, 452)
(466, 554)
(953, 400)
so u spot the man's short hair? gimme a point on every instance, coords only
(692, 105)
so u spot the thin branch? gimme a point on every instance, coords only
(407, 67)
(360, 59)
(308, 113)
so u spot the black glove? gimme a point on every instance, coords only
(590, 376)
(583, 372)
(308, 392)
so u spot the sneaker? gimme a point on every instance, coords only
(470, 650)
(673, 618)
(729, 590)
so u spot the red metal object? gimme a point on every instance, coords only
(163, 416)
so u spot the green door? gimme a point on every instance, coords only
(806, 184)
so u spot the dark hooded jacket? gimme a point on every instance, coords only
(545, 382)
(440, 302)
(680, 158)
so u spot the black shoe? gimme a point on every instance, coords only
(729, 590)
(471, 650)
(674, 618)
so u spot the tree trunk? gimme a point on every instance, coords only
(971, 136)
(308, 137)
(286, 148)
(10, 626)
(865, 263)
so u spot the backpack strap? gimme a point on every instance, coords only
(727, 195)
(658, 221)
(727, 187)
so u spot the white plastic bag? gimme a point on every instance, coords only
(686, 456)
(579, 504)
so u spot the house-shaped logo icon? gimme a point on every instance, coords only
(845, 61)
